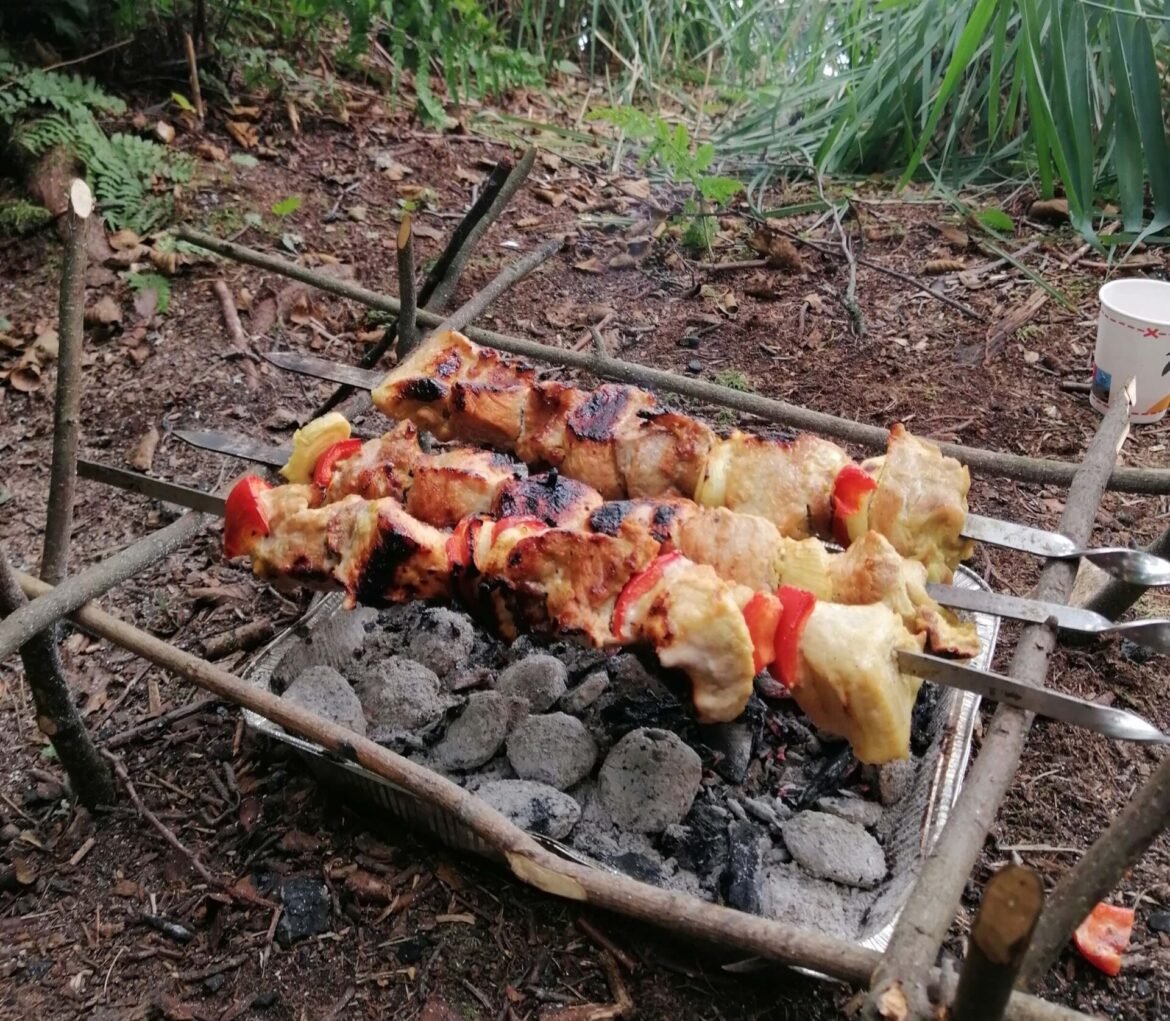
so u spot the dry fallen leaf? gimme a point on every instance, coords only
(124, 239)
(550, 196)
(635, 188)
(164, 132)
(1053, 210)
(211, 151)
(167, 262)
(357, 212)
(778, 250)
(590, 265)
(244, 134)
(623, 260)
(761, 287)
(954, 236)
(142, 456)
(46, 346)
(937, 267)
(468, 176)
(104, 312)
(25, 378)
(550, 160)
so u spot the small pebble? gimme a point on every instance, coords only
(832, 848)
(555, 749)
(540, 679)
(480, 730)
(694, 366)
(895, 779)
(586, 693)
(401, 696)
(1159, 921)
(690, 342)
(322, 690)
(532, 806)
(649, 780)
(761, 810)
(444, 642)
(864, 813)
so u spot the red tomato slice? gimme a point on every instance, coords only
(637, 587)
(850, 489)
(762, 615)
(323, 471)
(797, 604)
(244, 517)
(1103, 936)
(459, 544)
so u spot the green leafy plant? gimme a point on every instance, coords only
(130, 176)
(287, 206)
(20, 217)
(140, 282)
(685, 163)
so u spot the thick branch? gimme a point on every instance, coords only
(407, 339)
(1099, 870)
(986, 462)
(999, 940)
(193, 70)
(22, 625)
(529, 861)
(446, 287)
(57, 716)
(930, 909)
(67, 407)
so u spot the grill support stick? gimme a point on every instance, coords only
(900, 983)
(986, 462)
(527, 859)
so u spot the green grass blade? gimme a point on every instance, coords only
(1138, 51)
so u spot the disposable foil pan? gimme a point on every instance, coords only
(327, 634)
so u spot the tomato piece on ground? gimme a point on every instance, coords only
(1103, 936)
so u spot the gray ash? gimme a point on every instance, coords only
(696, 808)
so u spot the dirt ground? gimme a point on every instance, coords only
(99, 918)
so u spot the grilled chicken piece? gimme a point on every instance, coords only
(694, 621)
(789, 482)
(550, 497)
(848, 681)
(455, 483)
(665, 456)
(372, 549)
(920, 503)
(383, 467)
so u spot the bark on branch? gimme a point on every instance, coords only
(986, 462)
(19, 627)
(67, 406)
(57, 716)
(528, 860)
(407, 338)
(930, 908)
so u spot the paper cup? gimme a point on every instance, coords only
(1133, 340)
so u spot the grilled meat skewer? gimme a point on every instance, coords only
(441, 488)
(619, 441)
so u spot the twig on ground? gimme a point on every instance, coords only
(239, 639)
(167, 834)
(1099, 870)
(193, 75)
(445, 290)
(159, 722)
(239, 339)
(407, 328)
(67, 405)
(1003, 329)
(1011, 904)
(603, 941)
(988, 462)
(930, 908)
(57, 716)
(816, 246)
(528, 860)
(19, 627)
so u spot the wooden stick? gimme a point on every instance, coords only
(1114, 597)
(407, 337)
(239, 339)
(193, 73)
(528, 861)
(19, 627)
(999, 939)
(988, 462)
(164, 830)
(67, 406)
(487, 196)
(1099, 870)
(930, 908)
(57, 715)
(446, 288)
(159, 722)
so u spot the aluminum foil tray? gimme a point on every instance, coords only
(322, 637)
